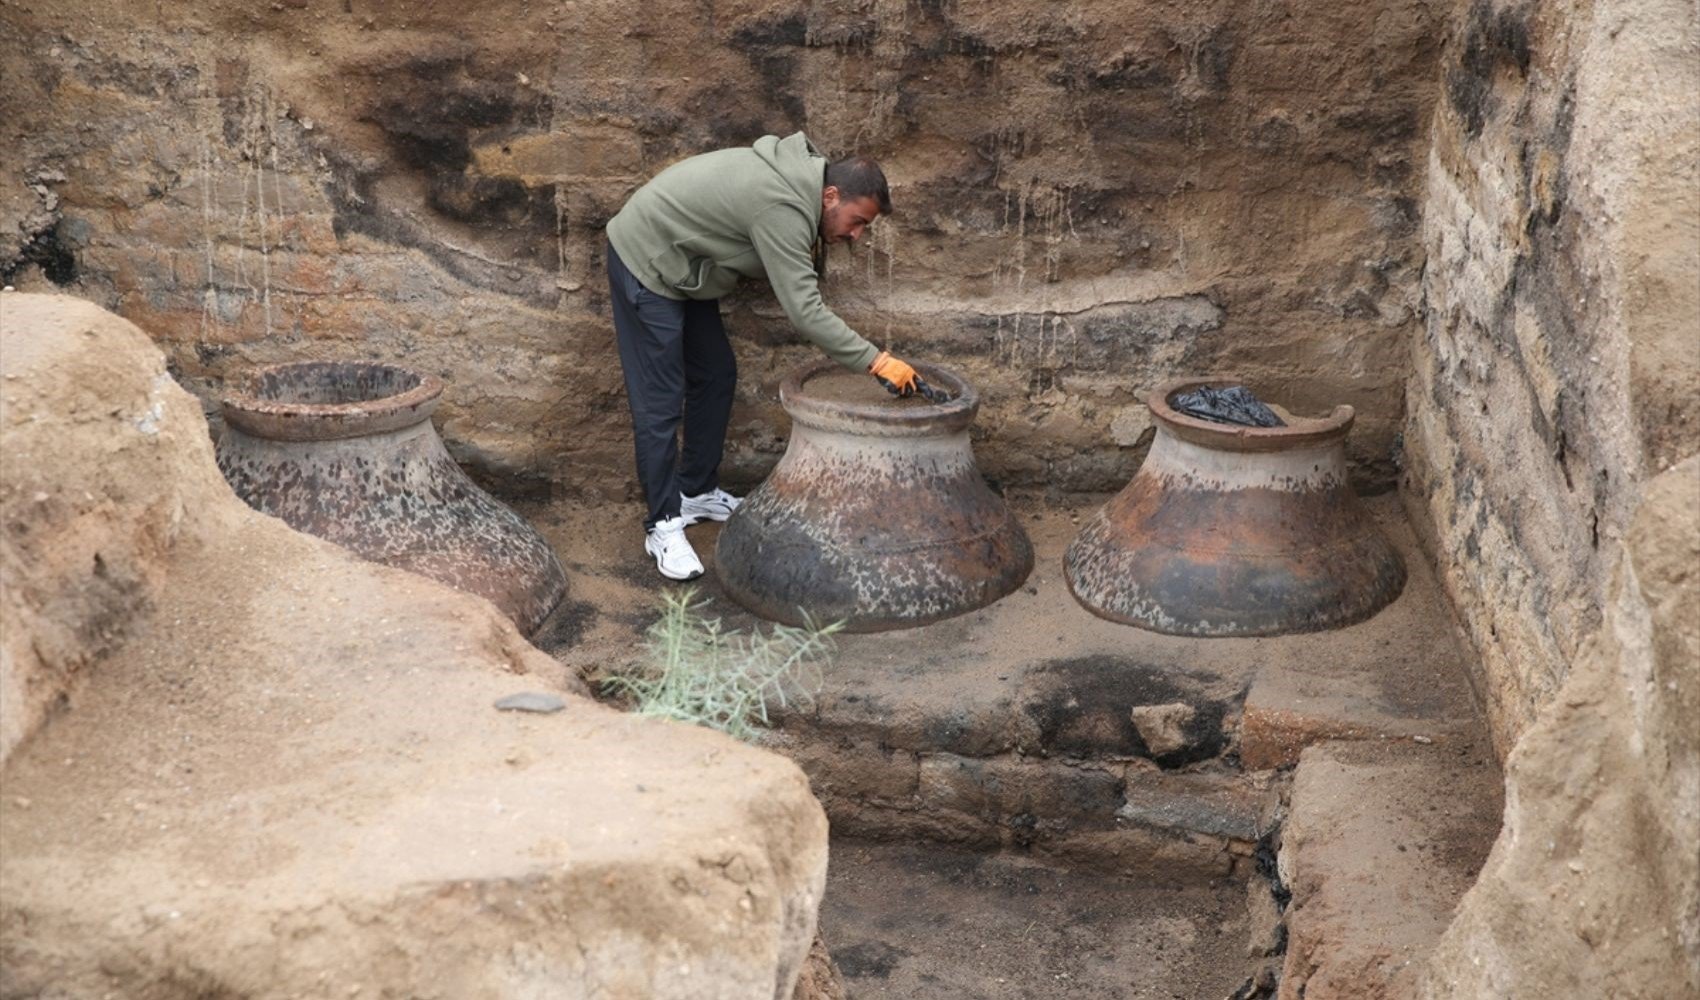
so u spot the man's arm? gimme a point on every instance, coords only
(782, 237)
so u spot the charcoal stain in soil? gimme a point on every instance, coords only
(1082, 709)
(565, 626)
(49, 251)
(869, 959)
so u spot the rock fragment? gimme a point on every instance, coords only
(1163, 727)
(531, 701)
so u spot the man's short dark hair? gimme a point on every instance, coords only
(859, 177)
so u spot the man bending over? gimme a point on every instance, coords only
(682, 241)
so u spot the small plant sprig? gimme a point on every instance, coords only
(699, 672)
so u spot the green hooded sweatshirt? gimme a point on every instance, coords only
(706, 221)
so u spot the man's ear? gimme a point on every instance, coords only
(829, 196)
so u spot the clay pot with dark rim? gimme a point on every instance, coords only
(346, 451)
(1236, 531)
(876, 516)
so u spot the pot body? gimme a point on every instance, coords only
(875, 516)
(347, 452)
(1236, 531)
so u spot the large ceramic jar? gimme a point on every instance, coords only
(876, 515)
(346, 451)
(1236, 531)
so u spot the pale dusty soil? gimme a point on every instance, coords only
(908, 922)
(286, 744)
(849, 387)
(268, 747)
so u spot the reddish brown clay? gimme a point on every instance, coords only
(1236, 531)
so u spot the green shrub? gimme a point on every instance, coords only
(699, 672)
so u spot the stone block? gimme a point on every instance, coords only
(359, 319)
(958, 784)
(1379, 845)
(1164, 728)
(1002, 788)
(1228, 806)
(178, 319)
(132, 268)
(853, 771)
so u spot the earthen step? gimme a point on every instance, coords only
(1381, 841)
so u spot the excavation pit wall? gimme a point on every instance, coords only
(1089, 200)
(1553, 409)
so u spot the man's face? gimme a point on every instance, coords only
(844, 221)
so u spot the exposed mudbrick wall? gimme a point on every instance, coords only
(1554, 404)
(1559, 365)
(1090, 197)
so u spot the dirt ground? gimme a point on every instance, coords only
(1005, 828)
(287, 774)
(987, 749)
(1031, 701)
(917, 921)
(614, 587)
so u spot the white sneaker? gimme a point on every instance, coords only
(673, 554)
(715, 505)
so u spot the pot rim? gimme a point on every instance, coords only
(871, 418)
(245, 409)
(1300, 432)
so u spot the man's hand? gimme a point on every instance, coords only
(897, 376)
(899, 379)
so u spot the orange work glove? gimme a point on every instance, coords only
(900, 380)
(897, 376)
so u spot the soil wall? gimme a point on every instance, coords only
(1593, 888)
(1558, 368)
(1553, 407)
(84, 553)
(1090, 197)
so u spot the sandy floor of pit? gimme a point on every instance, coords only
(907, 921)
(914, 919)
(973, 684)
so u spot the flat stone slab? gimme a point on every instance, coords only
(1381, 842)
(538, 702)
(1405, 679)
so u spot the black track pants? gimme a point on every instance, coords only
(678, 363)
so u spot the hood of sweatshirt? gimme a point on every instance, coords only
(802, 167)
